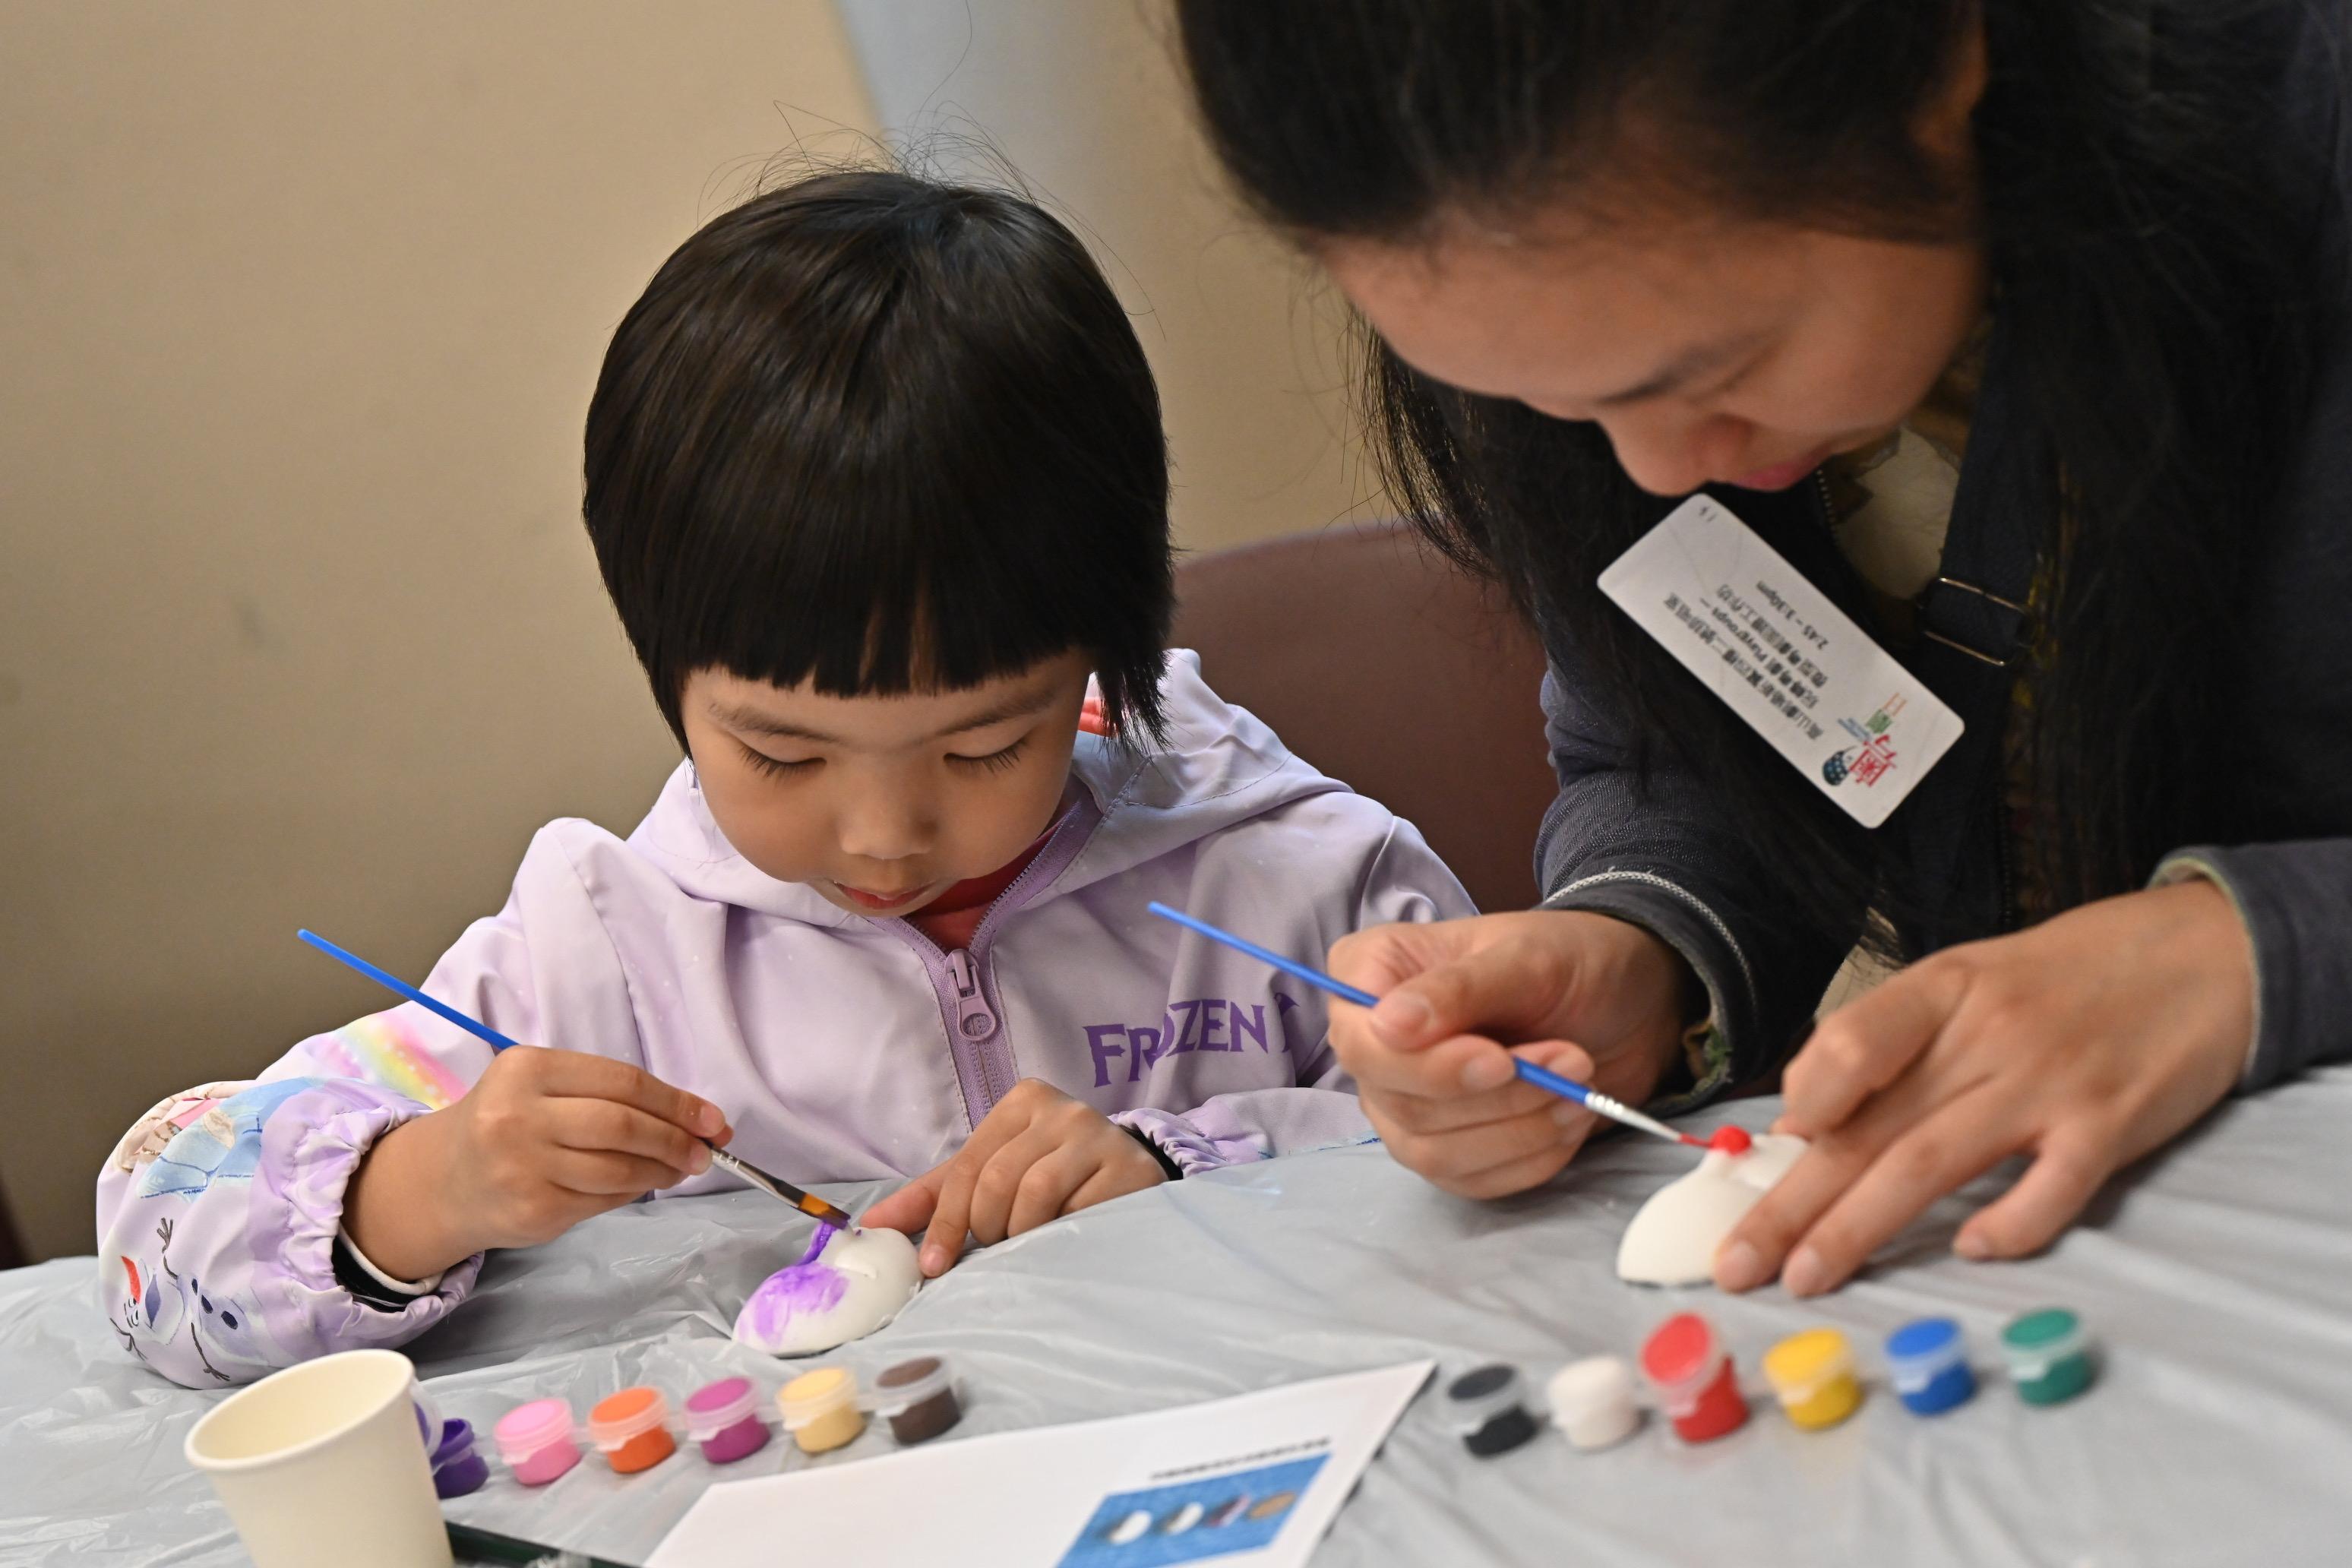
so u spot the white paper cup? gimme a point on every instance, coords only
(322, 1463)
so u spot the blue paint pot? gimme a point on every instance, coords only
(1930, 1366)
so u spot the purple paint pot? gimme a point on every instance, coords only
(724, 1417)
(458, 1467)
(536, 1441)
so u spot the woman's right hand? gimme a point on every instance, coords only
(541, 1141)
(1589, 996)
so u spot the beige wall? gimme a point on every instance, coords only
(299, 307)
(1083, 98)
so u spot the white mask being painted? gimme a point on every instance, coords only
(848, 1284)
(1673, 1237)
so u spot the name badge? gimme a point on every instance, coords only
(1734, 613)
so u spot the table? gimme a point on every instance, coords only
(2218, 1277)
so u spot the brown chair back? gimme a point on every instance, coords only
(1384, 666)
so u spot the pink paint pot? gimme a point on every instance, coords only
(724, 1417)
(536, 1441)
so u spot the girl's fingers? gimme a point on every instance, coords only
(2045, 1200)
(909, 1208)
(576, 1074)
(602, 1174)
(1958, 1142)
(1107, 1182)
(988, 1206)
(604, 1126)
(1048, 1186)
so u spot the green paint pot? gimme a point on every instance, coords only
(2048, 1355)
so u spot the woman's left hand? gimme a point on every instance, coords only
(2085, 1042)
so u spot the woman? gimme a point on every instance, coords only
(2013, 324)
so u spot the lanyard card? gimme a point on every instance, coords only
(1794, 665)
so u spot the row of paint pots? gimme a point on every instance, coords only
(1812, 1375)
(633, 1429)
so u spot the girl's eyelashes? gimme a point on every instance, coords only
(995, 762)
(776, 767)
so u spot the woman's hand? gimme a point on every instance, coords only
(1037, 1156)
(1430, 1062)
(2084, 1041)
(543, 1140)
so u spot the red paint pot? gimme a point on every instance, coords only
(1687, 1363)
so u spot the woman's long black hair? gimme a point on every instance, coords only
(2154, 237)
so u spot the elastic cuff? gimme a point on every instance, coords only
(1168, 1165)
(425, 1287)
(2189, 866)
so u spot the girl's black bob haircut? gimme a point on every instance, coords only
(887, 434)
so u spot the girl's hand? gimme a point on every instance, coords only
(1430, 1062)
(1037, 1156)
(543, 1140)
(2086, 1041)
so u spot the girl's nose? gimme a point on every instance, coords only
(881, 823)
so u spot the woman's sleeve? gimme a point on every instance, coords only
(2295, 899)
(220, 1212)
(1663, 854)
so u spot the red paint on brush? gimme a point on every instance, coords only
(1731, 1141)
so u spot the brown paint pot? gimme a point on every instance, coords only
(918, 1397)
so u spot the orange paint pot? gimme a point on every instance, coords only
(631, 1429)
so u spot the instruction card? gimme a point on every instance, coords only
(1251, 1480)
(1734, 613)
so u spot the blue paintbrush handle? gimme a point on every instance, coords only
(1542, 1077)
(473, 1026)
(1289, 966)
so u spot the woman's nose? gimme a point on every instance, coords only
(1669, 454)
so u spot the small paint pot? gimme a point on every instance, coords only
(820, 1409)
(536, 1441)
(918, 1397)
(1592, 1401)
(1182, 1519)
(2048, 1355)
(1484, 1409)
(1812, 1374)
(1928, 1363)
(1132, 1529)
(631, 1429)
(1687, 1363)
(724, 1417)
(458, 1467)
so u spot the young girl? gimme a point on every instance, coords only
(876, 480)
(2016, 326)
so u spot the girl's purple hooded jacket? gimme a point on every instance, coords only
(842, 1048)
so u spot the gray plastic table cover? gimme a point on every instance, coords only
(2217, 1279)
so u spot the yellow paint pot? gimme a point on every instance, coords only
(1812, 1375)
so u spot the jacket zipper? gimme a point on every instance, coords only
(973, 1013)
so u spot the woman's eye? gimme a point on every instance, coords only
(776, 767)
(995, 762)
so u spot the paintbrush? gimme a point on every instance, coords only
(809, 1204)
(1731, 1140)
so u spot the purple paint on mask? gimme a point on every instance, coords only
(807, 1286)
